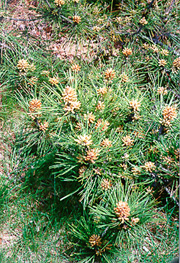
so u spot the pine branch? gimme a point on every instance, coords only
(170, 8)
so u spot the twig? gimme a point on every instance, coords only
(37, 122)
(138, 31)
(105, 231)
(3, 45)
(176, 95)
(22, 19)
(156, 41)
(169, 10)
(167, 190)
(161, 131)
(151, 4)
(48, 3)
(141, 26)
(165, 187)
(67, 19)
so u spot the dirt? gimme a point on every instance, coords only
(18, 21)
